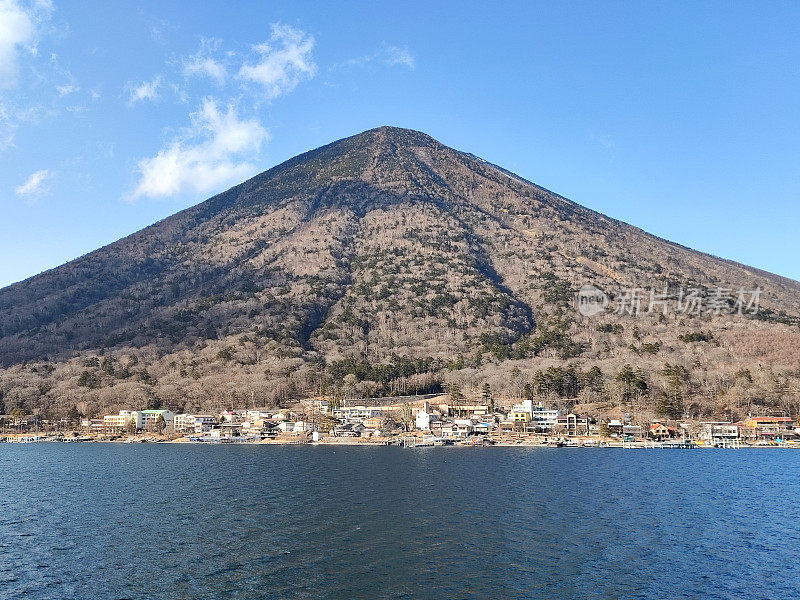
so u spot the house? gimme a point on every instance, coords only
(355, 414)
(507, 426)
(521, 412)
(766, 427)
(203, 423)
(447, 429)
(519, 416)
(574, 424)
(720, 433)
(252, 415)
(528, 416)
(252, 426)
(659, 431)
(453, 409)
(183, 422)
(286, 426)
(615, 426)
(423, 420)
(426, 420)
(229, 429)
(543, 418)
(228, 416)
(93, 425)
(463, 427)
(634, 431)
(348, 430)
(482, 428)
(373, 422)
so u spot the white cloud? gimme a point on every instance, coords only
(67, 89)
(203, 62)
(17, 30)
(387, 55)
(35, 187)
(214, 152)
(399, 55)
(206, 66)
(145, 91)
(285, 60)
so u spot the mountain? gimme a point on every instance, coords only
(402, 263)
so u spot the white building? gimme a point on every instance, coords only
(257, 415)
(183, 423)
(122, 420)
(355, 414)
(544, 418)
(423, 420)
(538, 416)
(228, 416)
(186, 423)
(463, 427)
(114, 422)
(720, 432)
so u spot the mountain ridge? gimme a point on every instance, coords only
(299, 158)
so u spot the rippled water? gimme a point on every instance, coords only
(179, 521)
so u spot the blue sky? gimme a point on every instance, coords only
(679, 118)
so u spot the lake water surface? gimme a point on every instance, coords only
(235, 521)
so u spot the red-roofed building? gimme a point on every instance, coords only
(659, 431)
(766, 427)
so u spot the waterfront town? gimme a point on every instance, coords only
(432, 420)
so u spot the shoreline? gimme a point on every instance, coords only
(571, 444)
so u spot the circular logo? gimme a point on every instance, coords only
(591, 300)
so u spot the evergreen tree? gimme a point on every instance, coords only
(486, 396)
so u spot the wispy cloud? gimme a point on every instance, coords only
(8, 128)
(143, 92)
(399, 55)
(35, 187)
(67, 89)
(284, 61)
(12, 116)
(215, 151)
(388, 55)
(203, 63)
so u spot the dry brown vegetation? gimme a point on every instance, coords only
(388, 263)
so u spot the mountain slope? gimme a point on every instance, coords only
(379, 247)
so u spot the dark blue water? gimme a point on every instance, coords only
(179, 521)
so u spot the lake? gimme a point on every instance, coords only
(173, 521)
